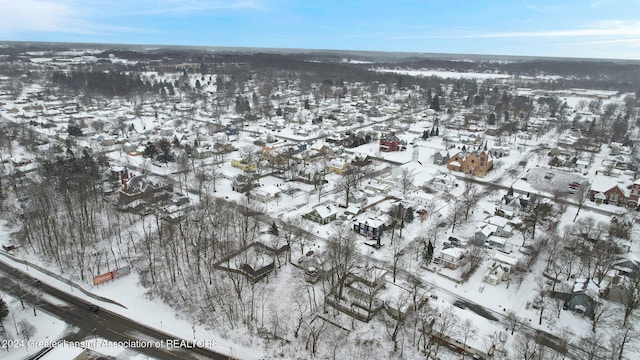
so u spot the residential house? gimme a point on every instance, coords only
(610, 190)
(584, 297)
(361, 160)
(378, 187)
(500, 151)
(266, 193)
(491, 226)
(450, 258)
(337, 166)
(477, 163)
(441, 157)
(510, 206)
(625, 273)
(142, 187)
(242, 183)
(244, 164)
(370, 225)
(443, 182)
(322, 214)
(390, 142)
(67, 351)
(634, 195)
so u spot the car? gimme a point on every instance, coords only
(549, 176)
(94, 308)
(574, 185)
(460, 305)
(454, 240)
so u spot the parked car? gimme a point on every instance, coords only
(574, 185)
(460, 305)
(549, 176)
(94, 308)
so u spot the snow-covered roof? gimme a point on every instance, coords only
(486, 229)
(64, 352)
(497, 220)
(603, 183)
(587, 287)
(505, 259)
(454, 163)
(325, 211)
(454, 252)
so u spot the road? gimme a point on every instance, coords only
(102, 324)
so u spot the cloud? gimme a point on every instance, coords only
(612, 28)
(605, 28)
(36, 15)
(182, 7)
(71, 16)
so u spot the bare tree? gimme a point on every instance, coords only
(513, 320)
(601, 316)
(349, 182)
(581, 195)
(396, 322)
(456, 214)
(525, 348)
(445, 325)
(315, 330)
(630, 297)
(590, 344)
(398, 253)
(621, 341)
(406, 180)
(470, 198)
(341, 251)
(468, 332)
(26, 329)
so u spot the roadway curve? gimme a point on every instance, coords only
(104, 324)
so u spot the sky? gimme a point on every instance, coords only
(562, 28)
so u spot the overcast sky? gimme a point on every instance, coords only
(565, 28)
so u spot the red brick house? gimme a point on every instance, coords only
(634, 196)
(390, 142)
(610, 190)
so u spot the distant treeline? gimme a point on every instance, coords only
(109, 83)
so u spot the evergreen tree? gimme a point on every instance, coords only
(4, 310)
(428, 256)
(437, 131)
(435, 103)
(510, 193)
(73, 129)
(425, 135)
(274, 229)
(408, 215)
(165, 153)
(491, 120)
(150, 151)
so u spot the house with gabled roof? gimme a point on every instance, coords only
(584, 297)
(390, 142)
(370, 225)
(610, 190)
(441, 157)
(338, 166)
(322, 214)
(634, 195)
(451, 257)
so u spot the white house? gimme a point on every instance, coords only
(450, 257)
